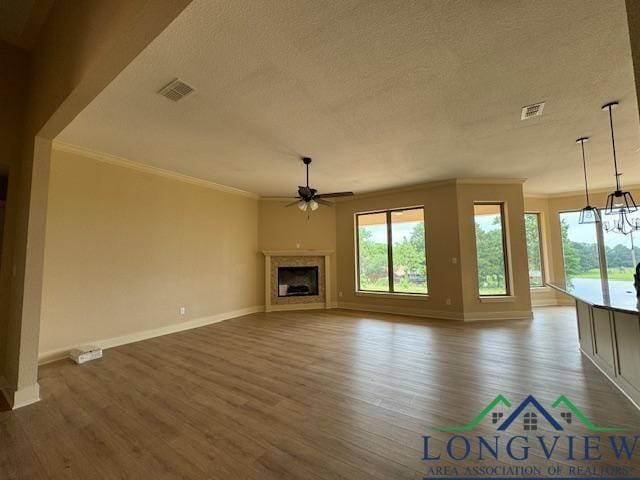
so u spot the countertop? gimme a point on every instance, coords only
(619, 296)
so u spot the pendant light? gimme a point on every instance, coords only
(622, 224)
(619, 201)
(588, 214)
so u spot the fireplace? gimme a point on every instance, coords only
(308, 271)
(297, 281)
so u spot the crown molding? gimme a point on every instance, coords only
(578, 193)
(490, 181)
(389, 191)
(297, 253)
(141, 167)
(435, 184)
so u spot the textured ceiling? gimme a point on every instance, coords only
(379, 93)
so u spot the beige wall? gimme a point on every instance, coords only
(13, 82)
(510, 194)
(541, 207)
(441, 228)
(451, 253)
(282, 228)
(126, 249)
(544, 295)
(75, 57)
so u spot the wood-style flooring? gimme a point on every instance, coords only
(309, 395)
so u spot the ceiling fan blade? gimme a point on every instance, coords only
(333, 195)
(292, 203)
(324, 202)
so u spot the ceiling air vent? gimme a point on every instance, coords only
(176, 90)
(531, 111)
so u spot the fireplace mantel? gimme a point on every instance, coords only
(325, 264)
(297, 253)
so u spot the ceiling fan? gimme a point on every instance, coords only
(309, 199)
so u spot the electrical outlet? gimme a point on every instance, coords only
(454, 260)
(340, 294)
(183, 310)
(448, 301)
(297, 245)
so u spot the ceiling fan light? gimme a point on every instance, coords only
(314, 205)
(589, 214)
(302, 205)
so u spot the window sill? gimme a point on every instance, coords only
(410, 296)
(498, 299)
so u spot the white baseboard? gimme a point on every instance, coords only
(436, 314)
(543, 297)
(413, 312)
(546, 303)
(297, 306)
(59, 354)
(26, 396)
(486, 316)
(20, 398)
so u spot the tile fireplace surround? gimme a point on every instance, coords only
(297, 258)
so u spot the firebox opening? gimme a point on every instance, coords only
(297, 281)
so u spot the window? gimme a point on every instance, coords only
(622, 255)
(579, 250)
(373, 252)
(391, 251)
(530, 421)
(534, 249)
(491, 249)
(591, 254)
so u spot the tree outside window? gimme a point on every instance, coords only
(534, 249)
(490, 249)
(391, 251)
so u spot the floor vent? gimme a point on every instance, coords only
(176, 90)
(531, 111)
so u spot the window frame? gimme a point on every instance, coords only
(505, 251)
(600, 248)
(543, 270)
(388, 213)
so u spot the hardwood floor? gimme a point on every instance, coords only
(313, 395)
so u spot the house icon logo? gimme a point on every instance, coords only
(525, 429)
(530, 413)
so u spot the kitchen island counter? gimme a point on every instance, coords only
(609, 332)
